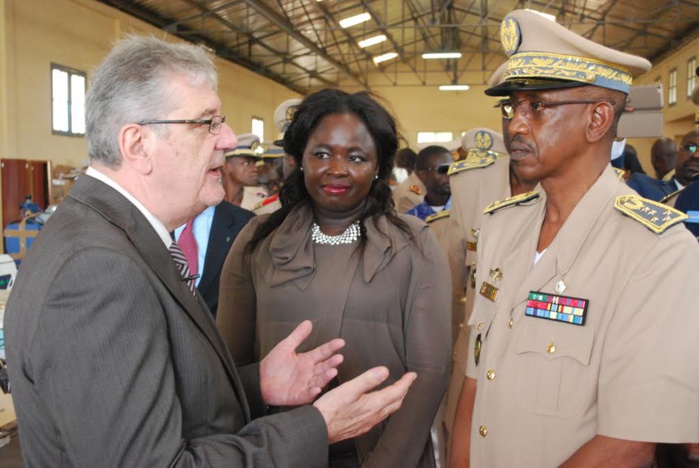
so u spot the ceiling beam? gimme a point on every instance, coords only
(284, 25)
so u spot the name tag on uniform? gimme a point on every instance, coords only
(557, 308)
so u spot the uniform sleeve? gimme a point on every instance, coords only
(428, 348)
(102, 363)
(237, 307)
(649, 377)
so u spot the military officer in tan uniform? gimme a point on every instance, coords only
(409, 193)
(283, 115)
(481, 178)
(582, 347)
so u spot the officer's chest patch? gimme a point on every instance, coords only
(557, 308)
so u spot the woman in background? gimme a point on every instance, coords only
(338, 253)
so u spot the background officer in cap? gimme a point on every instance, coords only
(575, 357)
(240, 177)
(283, 115)
(483, 177)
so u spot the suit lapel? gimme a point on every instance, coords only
(124, 215)
(222, 233)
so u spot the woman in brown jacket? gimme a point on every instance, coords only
(337, 253)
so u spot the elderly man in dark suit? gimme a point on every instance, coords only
(113, 356)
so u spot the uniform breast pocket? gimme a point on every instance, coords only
(553, 375)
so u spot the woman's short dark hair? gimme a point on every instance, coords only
(307, 116)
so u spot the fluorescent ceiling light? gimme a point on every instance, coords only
(545, 15)
(372, 41)
(382, 58)
(441, 55)
(454, 87)
(354, 20)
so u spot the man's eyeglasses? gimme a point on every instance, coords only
(442, 170)
(214, 123)
(691, 149)
(533, 110)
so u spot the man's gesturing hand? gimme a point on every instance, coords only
(291, 379)
(350, 411)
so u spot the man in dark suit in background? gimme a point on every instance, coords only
(214, 230)
(113, 356)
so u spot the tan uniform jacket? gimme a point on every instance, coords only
(545, 388)
(409, 193)
(471, 191)
(389, 302)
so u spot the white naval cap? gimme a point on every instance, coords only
(283, 115)
(248, 145)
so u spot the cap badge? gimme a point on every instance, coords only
(290, 111)
(484, 140)
(510, 35)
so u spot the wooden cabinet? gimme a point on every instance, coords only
(21, 177)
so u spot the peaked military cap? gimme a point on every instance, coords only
(546, 55)
(248, 145)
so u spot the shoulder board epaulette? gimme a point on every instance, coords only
(511, 201)
(619, 173)
(415, 189)
(470, 163)
(436, 216)
(653, 215)
(670, 195)
(265, 202)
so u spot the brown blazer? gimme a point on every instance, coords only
(389, 302)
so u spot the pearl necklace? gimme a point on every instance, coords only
(350, 235)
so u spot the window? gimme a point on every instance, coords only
(68, 100)
(258, 128)
(434, 137)
(672, 87)
(691, 75)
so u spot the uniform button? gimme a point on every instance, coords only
(490, 375)
(461, 325)
(462, 300)
(480, 326)
(456, 353)
(510, 323)
(483, 431)
(551, 348)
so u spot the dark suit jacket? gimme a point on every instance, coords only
(114, 362)
(650, 187)
(227, 223)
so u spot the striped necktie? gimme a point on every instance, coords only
(181, 262)
(188, 244)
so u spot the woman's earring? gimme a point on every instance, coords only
(376, 177)
(301, 168)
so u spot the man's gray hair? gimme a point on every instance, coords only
(131, 85)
